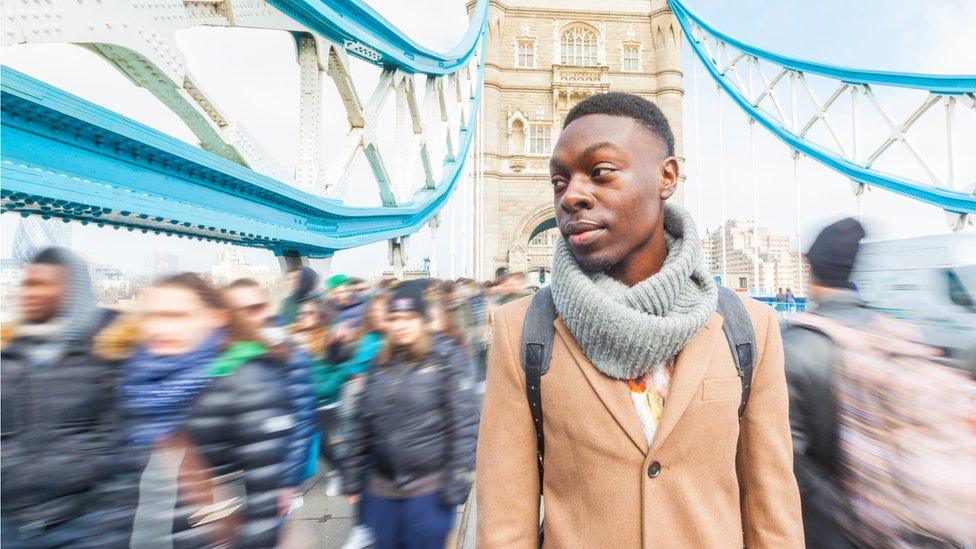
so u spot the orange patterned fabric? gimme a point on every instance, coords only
(648, 394)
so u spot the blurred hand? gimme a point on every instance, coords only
(284, 500)
(353, 499)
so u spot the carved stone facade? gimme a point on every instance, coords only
(544, 56)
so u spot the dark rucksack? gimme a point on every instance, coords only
(538, 332)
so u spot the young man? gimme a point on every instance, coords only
(252, 303)
(643, 441)
(59, 437)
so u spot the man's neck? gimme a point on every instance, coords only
(643, 261)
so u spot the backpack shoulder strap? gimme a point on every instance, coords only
(537, 334)
(741, 337)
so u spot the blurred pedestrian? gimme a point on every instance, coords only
(780, 296)
(789, 297)
(250, 303)
(641, 431)
(510, 287)
(348, 302)
(312, 332)
(853, 376)
(301, 282)
(474, 294)
(57, 408)
(810, 367)
(206, 402)
(411, 448)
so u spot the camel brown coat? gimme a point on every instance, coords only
(722, 482)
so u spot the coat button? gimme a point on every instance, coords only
(654, 469)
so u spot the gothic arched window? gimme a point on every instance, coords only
(516, 144)
(577, 46)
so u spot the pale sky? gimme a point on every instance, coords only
(253, 76)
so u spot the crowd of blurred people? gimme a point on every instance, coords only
(198, 418)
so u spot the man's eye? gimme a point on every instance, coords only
(558, 184)
(599, 172)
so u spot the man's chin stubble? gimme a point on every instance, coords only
(599, 264)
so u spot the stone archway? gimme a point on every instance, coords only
(525, 257)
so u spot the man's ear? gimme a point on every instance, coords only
(669, 177)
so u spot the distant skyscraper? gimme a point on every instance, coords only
(157, 264)
(34, 234)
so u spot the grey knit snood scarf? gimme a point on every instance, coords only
(626, 331)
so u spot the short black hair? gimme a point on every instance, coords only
(52, 255)
(629, 105)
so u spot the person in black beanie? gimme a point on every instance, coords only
(811, 362)
(411, 446)
(832, 255)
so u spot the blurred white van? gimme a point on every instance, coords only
(929, 281)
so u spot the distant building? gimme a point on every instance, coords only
(157, 264)
(408, 274)
(110, 284)
(777, 261)
(34, 234)
(11, 272)
(230, 266)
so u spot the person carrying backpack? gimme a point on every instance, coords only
(615, 392)
(854, 375)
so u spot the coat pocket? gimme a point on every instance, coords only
(721, 388)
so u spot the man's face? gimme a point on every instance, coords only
(250, 305)
(610, 178)
(340, 295)
(41, 291)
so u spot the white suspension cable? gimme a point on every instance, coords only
(699, 184)
(453, 241)
(721, 179)
(480, 237)
(755, 206)
(796, 191)
(796, 217)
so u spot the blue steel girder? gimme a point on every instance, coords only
(963, 87)
(139, 41)
(366, 34)
(64, 157)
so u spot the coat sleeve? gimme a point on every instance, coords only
(358, 442)
(301, 392)
(78, 451)
(507, 468)
(461, 409)
(264, 423)
(808, 352)
(769, 497)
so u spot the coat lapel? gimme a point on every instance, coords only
(613, 392)
(692, 363)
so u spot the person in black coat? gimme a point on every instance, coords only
(812, 360)
(56, 413)
(413, 436)
(208, 413)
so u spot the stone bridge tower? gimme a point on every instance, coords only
(544, 56)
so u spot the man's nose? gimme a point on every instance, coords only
(577, 195)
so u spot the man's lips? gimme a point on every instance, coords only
(582, 233)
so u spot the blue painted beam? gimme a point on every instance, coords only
(64, 157)
(947, 199)
(941, 84)
(366, 34)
